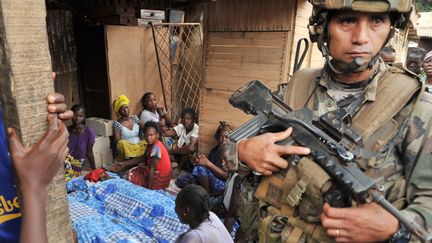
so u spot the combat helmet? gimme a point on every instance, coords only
(399, 10)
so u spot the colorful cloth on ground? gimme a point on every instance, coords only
(210, 230)
(79, 145)
(161, 178)
(10, 215)
(120, 101)
(118, 211)
(72, 167)
(184, 137)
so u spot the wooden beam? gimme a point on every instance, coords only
(26, 78)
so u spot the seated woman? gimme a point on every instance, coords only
(152, 112)
(126, 131)
(193, 208)
(81, 137)
(187, 133)
(209, 171)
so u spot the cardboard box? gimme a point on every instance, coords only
(101, 126)
(152, 14)
(101, 145)
(102, 151)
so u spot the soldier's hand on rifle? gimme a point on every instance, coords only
(364, 223)
(264, 156)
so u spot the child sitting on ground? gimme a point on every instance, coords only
(187, 133)
(155, 172)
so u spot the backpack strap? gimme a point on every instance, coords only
(395, 90)
(301, 87)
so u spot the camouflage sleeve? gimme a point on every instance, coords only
(230, 155)
(417, 158)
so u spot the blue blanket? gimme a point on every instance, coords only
(119, 211)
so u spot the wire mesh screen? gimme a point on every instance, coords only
(179, 55)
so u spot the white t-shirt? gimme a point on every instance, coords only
(210, 231)
(149, 116)
(183, 137)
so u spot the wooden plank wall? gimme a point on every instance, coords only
(233, 59)
(248, 15)
(132, 66)
(313, 57)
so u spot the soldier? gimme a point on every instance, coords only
(387, 107)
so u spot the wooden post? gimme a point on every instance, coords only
(25, 81)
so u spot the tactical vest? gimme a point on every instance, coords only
(293, 198)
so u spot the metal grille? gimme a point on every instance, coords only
(179, 55)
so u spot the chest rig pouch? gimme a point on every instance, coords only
(295, 196)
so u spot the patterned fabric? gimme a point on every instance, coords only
(410, 156)
(132, 136)
(139, 175)
(10, 215)
(216, 184)
(118, 211)
(129, 150)
(130, 145)
(72, 167)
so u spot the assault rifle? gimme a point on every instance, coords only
(325, 137)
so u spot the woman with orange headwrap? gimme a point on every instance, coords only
(126, 131)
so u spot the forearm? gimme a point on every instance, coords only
(90, 158)
(168, 121)
(183, 150)
(150, 177)
(33, 227)
(231, 157)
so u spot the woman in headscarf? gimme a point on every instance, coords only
(193, 208)
(126, 131)
(426, 74)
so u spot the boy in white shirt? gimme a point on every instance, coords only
(187, 144)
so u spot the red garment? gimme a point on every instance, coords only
(162, 174)
(95, 175)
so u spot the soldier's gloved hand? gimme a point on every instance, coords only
(364, 223)
(264, 156)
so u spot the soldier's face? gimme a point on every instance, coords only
(357, 34)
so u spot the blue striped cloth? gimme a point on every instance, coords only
(119, 211)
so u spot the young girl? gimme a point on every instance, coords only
(152, 112)
(187, 144)
(81, 137)
(155, 172)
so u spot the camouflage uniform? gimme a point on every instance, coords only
(411, 157)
